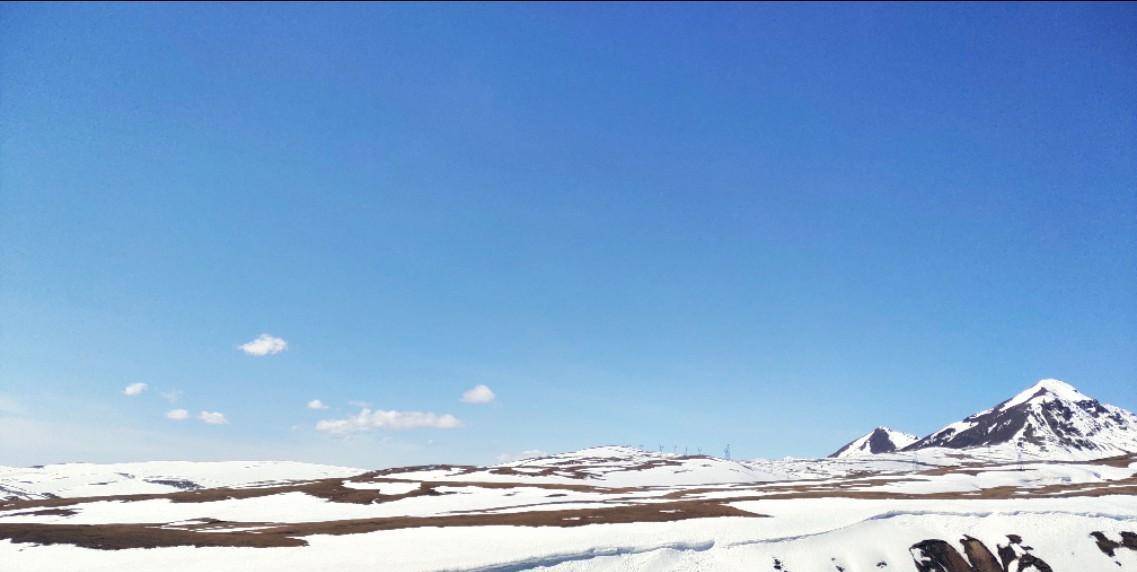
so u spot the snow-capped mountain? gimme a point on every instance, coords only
(879, 440)
(1051, 420)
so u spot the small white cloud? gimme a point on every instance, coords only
(172, 396)
(316, 404)
(264, 345)
(478, 394)
(212, 417)
(177, 414)
(529, 454)
(360, 404)
(134, 389)
(367, 420)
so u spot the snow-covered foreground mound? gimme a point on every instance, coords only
(607, 508)
(804, 535)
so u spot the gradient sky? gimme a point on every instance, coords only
(773, 226)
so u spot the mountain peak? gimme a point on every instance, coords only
(1050, 419)
(879, 440)
(1048, 388)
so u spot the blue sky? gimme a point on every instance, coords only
(776, 226)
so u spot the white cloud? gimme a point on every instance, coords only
(264, 345)
(528, 454)
(478, 394)
(134, 389)
(172, 396)
(177, 414)
(316, 404)
(367, 420)
(212, 417)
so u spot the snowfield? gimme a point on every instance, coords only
(679, 513)
(88, 479)
(1045, 481)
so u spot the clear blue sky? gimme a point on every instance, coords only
(770, 225)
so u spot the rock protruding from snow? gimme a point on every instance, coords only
(879, 440)
(1050, 420)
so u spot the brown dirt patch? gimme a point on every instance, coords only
(119, 536)
(46, 512)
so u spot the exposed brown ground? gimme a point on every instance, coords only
(334, 490)
(1119, 487)
(330, 489)
(1121, 461)
(118, 536)
(46, 512)
(678, 504)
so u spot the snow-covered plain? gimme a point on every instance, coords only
(90, 479)
(796, 514)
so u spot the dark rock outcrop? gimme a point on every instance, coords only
(935, 555)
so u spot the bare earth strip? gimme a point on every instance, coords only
(118, 536)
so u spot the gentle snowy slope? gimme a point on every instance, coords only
(616, 466)
(1026, 480)
(806, 535)
(88, 479)
(862, 521)
(608, 466)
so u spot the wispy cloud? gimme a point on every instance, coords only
(367, 420)
(134, 389)
(478, 394)
(264, 345)
(212, 417)
(316, 404)
(171, 396)
(177, 414)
